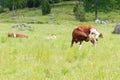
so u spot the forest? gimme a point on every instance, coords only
(103, 5)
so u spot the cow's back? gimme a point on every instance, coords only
(85, 29)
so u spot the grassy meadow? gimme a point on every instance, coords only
(38, 58)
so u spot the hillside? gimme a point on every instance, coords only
(61, 11)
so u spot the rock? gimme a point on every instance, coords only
(117, 29)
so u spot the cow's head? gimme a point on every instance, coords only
(96, 34)
(10, 34)
(100, 36)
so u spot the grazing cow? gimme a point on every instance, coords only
(17, 35)
(85, 33)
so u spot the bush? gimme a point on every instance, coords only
(79, 12)
(6, 10)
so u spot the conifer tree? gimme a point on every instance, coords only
(46, 9)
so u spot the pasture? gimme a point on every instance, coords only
(38, 58)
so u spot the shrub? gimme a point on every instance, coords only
(6, 10)
(79, 12)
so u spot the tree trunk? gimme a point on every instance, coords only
(96, 13)
(13, 9)
(80, 2)
(96, 10)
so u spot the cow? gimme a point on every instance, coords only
(51, 37)
(13, 35)
(85, 33)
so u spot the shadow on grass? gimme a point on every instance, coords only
(113, 32)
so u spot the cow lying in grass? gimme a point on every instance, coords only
(51, 37)
(13, 35)
(85, 33)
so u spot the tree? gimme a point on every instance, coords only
(99, 5)
(57, 1)
(33, 3)
(80, 2)
(79, 12)
(2, 3)
(46, 9)
(17, 4)
(118, 4)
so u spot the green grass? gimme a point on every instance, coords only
(37, 58)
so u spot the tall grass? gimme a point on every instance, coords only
(38, 58)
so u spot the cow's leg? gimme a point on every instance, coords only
(93, 41)
(80, 45)
(72, 42)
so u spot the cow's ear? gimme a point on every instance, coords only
(101, 36)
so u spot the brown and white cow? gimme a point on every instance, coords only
(13, 35)
(51, 37)
(85, 33)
